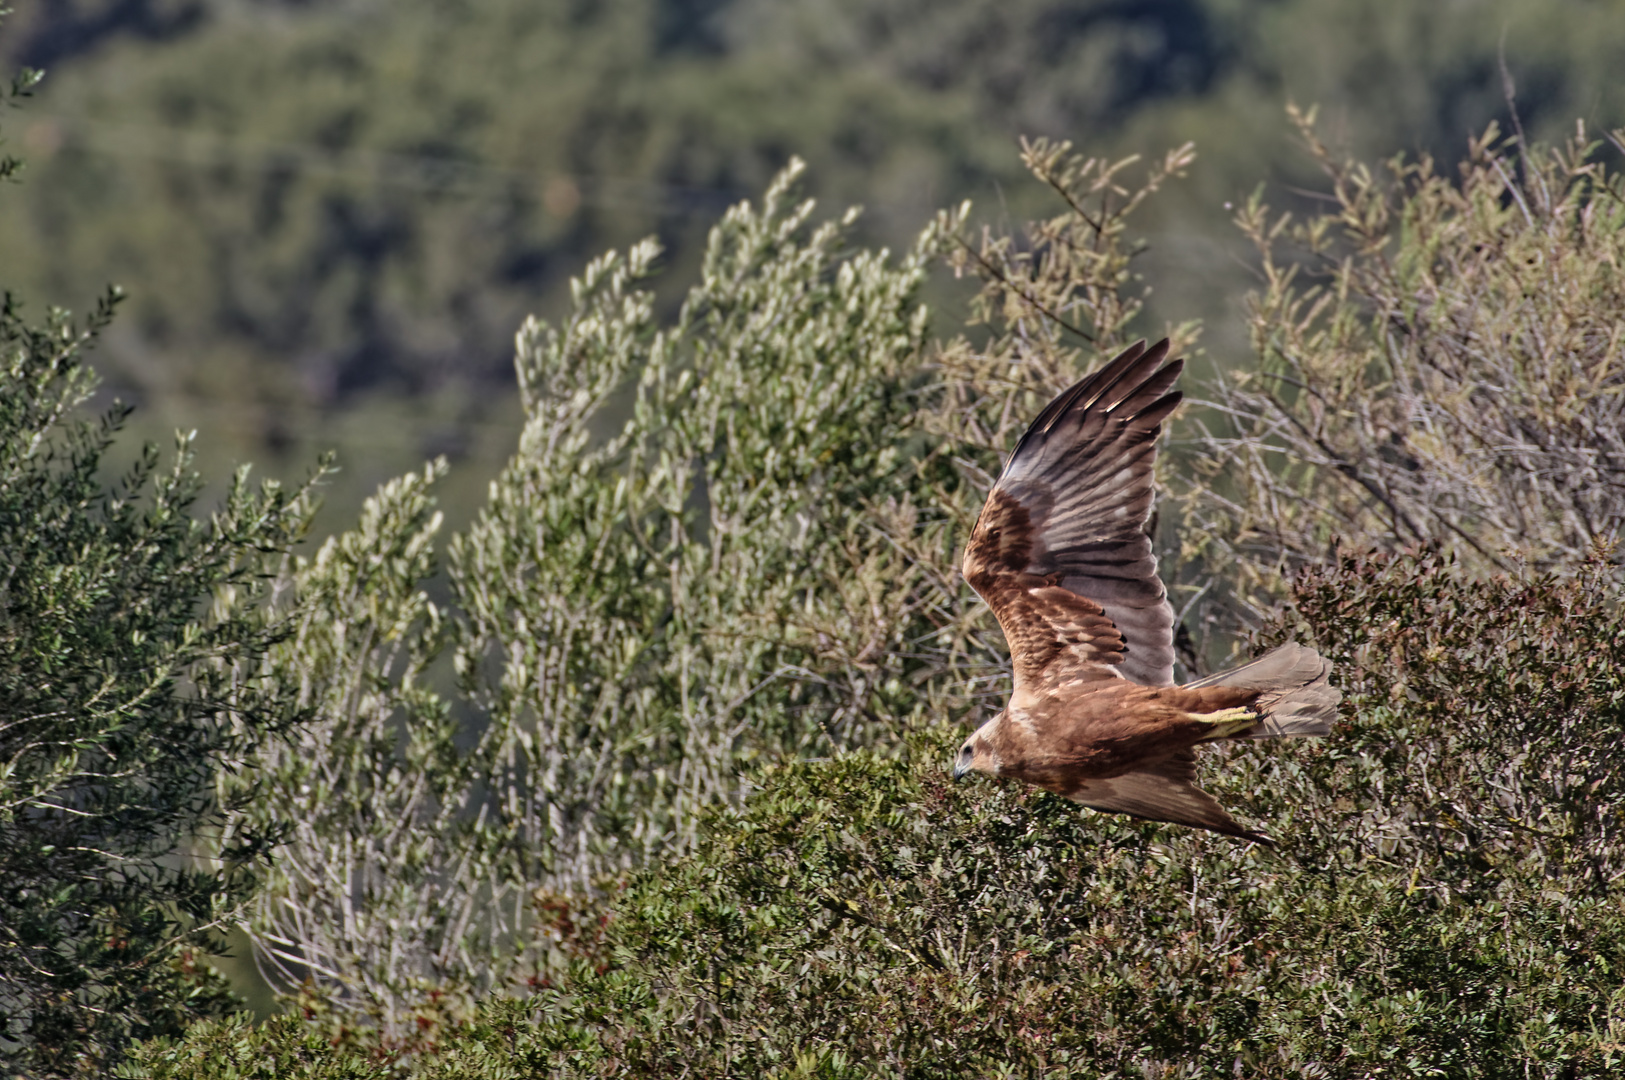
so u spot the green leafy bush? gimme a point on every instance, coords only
(726, 543)
(756, 564)
(1444, 901)
(130, 632)
(643, 608)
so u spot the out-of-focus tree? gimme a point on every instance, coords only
(1033, 66)
(42, 35)
(361, 200)
(372, 197)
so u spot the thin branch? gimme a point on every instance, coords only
(1005, 280)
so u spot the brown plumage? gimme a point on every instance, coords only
(1061, 555)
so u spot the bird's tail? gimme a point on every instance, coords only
(1295, 697)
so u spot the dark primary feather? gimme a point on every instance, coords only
(1070, 510)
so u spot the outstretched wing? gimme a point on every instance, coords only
(1060, 551)
(1165, 791)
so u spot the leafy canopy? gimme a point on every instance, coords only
(130, 632)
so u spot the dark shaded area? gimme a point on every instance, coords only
(51, 32)
(691, 26)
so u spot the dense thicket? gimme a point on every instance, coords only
(756, 564)
(560, 812)
(1445, 900)
(1437, 365)
(638, 612)
(126, 625)
(1446, 896)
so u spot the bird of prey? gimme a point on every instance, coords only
(1061, 554)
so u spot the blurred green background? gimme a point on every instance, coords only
(331, 215)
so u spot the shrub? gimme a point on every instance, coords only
(1443, 901)
(129, 634)
(1436, 363)
(636, 614)
(723, 542)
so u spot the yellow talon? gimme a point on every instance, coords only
(1227, 722)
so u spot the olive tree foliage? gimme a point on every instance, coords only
(120, 697)
(371, 792)
(1444, 901)
(636, 616)
(131, 631)
(1438, 362)
(725, 541)
(637, 605)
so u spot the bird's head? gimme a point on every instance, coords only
(976, 754)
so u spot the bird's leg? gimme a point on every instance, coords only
(1227, 722)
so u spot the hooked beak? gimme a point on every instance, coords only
(960, 769)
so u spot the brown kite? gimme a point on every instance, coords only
(1061, 555)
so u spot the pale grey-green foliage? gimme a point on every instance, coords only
(636, 595)
(374, 792)
(640, 611)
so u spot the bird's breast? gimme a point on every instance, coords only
(1057, 739)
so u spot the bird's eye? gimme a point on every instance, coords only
(965, 753)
